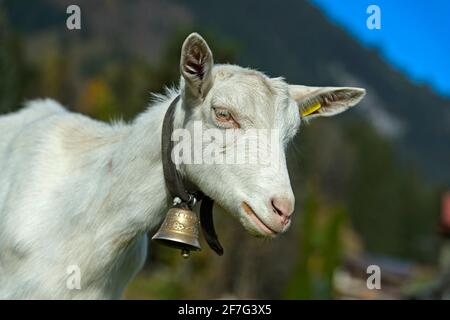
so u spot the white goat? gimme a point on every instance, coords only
(78, 192)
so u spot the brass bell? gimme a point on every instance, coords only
(180, 230)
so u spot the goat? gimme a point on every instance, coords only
(78, 192)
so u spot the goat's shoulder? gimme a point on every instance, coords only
(78, 132)
(38, 108)
(55, 122)
(33, 110)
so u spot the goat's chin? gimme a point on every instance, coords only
(249, 220)
(256, 231)
(253, 224)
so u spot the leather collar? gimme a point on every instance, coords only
(174, 182)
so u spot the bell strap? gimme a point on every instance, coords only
(207, 223)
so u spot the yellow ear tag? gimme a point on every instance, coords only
(311, 109)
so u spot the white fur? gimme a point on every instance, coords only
(79, 192)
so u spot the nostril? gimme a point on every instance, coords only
(283, 208)
(276, 210)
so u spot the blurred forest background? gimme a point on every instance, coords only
(368, 183)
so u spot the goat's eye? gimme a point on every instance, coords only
(225, 118)
(222, 114)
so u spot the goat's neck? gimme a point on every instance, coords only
(140, 187)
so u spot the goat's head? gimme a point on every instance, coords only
(228, 98)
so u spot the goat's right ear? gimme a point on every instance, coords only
(196, 66)
(324, 101)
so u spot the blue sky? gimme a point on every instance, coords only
(414, 35)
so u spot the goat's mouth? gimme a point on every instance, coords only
(263, 228)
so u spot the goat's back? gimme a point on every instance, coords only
(13, 123)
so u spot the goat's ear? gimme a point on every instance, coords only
(324, 101)
(196, 66)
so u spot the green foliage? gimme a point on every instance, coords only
(13, 70)
(98, 100)
(391, 207)
(320, 250)
(164, 284)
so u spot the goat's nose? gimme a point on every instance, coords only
(284, 208)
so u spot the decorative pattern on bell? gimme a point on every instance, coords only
(180, 230)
